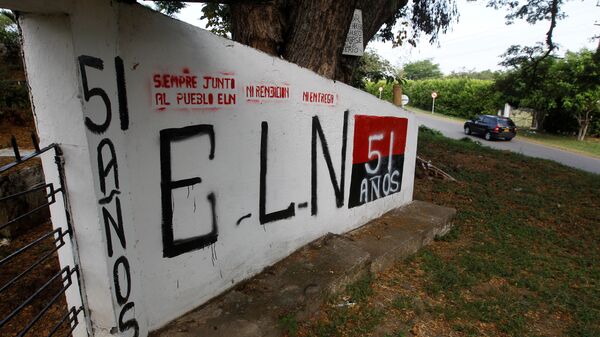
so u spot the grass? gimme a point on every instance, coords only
(289, 325)
(523, 258)
(589, 146)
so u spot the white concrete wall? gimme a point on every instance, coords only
(219, 235)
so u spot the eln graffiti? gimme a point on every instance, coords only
(187, 90)
(108, 179)
(378, 158)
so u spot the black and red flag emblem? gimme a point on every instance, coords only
(378, 158)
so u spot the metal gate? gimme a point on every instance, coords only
(33, 285)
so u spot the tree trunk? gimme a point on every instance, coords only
(310, 33)
(584, 123)
(538, 120)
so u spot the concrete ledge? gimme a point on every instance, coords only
(402, 232)
(300, 283)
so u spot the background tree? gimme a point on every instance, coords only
(526, 83)
(564, 93)
(373, 68)
(312, 33)
(477, 75)
(14, 97)
(9, 35)
(578, 77)
(420, 70)
(170, 7)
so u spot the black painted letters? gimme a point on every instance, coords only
(172, 247)
(265, 217)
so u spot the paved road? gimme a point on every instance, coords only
(454, 129)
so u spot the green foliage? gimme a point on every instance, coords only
(14, 96)
(170, 7)
(219, 18)
(373, 88)
(373, 68)
(473, 74)
(402, 302)
(429, 17)
(460, 97)
(9, 35)
(421, 70)
(288, 324)
(566, 91)
(360, 290)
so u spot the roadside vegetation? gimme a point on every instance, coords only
(561, 94)
(589, 146)
(15, 111)
(521, 260)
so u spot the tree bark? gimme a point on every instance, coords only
(584, 122)
(310, 33)
(538, 119)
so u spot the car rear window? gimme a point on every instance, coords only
(505, 122)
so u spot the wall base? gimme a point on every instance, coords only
(303, 281)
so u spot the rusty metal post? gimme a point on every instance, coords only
(397, 95)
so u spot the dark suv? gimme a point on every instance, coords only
(491, 127)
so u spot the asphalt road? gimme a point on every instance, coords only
(454, 129)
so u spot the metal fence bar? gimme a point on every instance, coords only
(74, 312)
(52, 301)
(24, 215)
(33, 296)
(33, 189)
(34, 141)
(15, 146)
(65, 276)
(31, 244)
(51, 194)
(35, 264)
(27, 157)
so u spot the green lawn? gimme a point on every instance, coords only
(590, 146)
(523, 258)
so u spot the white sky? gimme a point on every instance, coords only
(481, 35)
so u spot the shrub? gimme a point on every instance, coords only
(461, 97)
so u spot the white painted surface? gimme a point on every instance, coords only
(268, 92)
(354, 40)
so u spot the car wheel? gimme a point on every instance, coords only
(488, 136)
(467, 130)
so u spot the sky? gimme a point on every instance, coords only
(480, 36)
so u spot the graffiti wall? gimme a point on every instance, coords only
(209, 160)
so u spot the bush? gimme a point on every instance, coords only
(460, 97)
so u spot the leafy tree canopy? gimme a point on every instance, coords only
(9, 35)
(478, 75)
(420, 70)
(311, 33)
(373, 68)
(405, 25)
(564, 92)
